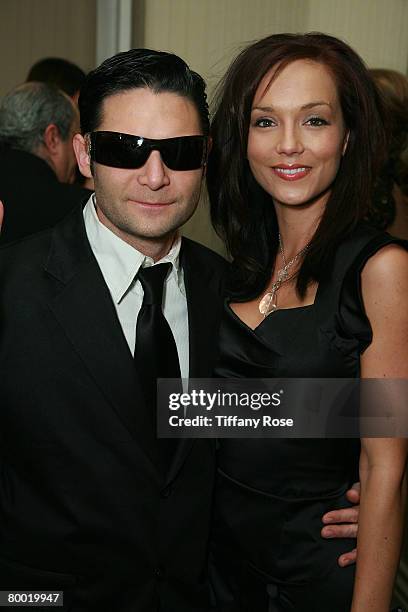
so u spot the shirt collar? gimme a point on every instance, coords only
(120, 262)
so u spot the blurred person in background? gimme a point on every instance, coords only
(389, 209)
(37, 160)
(62, 73)
(69, 78)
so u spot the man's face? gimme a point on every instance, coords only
(148, 203)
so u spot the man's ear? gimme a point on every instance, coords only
(51, 139)
(81, 148)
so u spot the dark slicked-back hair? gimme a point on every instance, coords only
(59, 71)
(242, 212)
(157, 70)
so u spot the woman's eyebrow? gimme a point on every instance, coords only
(270, 109)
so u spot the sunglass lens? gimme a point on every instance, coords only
(118, 150)
(184, 153)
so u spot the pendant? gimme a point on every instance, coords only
(268, 305)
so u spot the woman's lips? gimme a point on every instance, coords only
(291, 173)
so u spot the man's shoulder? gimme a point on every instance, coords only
(26, 253)
(32, 243)
(30, 254)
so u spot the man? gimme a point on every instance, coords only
(66, 75)
(37, 160)
(69, 78)
(91, 503)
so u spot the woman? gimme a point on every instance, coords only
(313, 293)
(389, 208)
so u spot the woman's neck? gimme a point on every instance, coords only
(297, 226)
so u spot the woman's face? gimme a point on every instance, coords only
(297, 134)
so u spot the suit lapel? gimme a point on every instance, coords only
(84, 308)
(204, 303)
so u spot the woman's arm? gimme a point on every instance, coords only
(382, 461)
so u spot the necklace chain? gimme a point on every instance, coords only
(282, 251)
(268, 302)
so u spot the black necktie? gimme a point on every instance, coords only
(155, 349)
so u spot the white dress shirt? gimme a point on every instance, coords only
(119, 263)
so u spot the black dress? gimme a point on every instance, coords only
(272, 493)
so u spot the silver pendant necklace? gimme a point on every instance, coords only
(268, 302)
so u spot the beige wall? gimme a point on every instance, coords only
(208, 33)
(32, 29)
(377, 29)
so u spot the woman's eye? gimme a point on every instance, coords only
(263, 122)
(316, 122)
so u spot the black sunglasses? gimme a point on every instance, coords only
(127, 151)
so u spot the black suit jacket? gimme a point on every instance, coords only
(33, 197)
(82, 506)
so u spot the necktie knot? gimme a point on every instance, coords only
(152, 281)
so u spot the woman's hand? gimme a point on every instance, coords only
(343, 523)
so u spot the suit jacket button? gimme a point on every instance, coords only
(166, 492)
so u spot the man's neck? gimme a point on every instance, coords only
(155, 250)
